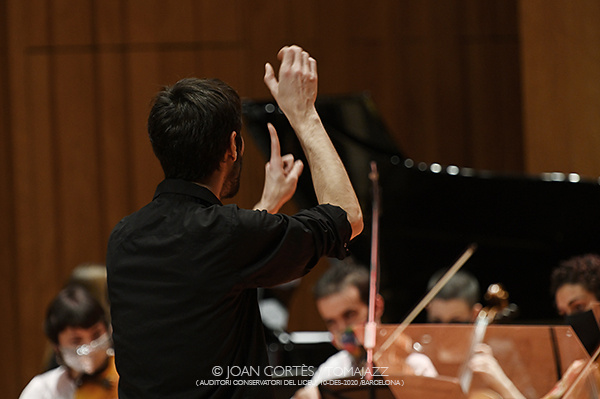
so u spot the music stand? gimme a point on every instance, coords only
(533, 357)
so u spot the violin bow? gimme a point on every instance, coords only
(585, 372)
(371, 327)
(425, 301)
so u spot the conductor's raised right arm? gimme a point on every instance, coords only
(295, 92)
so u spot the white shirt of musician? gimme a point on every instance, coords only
(53, 384)
(340, 366)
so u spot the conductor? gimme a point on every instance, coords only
(183, 271)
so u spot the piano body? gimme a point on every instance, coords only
(523, 225)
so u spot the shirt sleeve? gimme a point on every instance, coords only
(53, 384)
(279, 248)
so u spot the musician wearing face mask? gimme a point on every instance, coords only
(77, 328)
(575, 285)
(342, 299)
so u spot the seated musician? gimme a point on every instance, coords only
(457, 301)
(342, 297)
(92, 277)
(77, 328)
(575, 285)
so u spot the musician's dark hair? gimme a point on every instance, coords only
(190, 126)
(74, 306)
(583, 270)
(463, 285)
(340, 275)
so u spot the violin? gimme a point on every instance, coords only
(102, 385)
(499, 309)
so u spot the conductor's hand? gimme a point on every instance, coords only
(296, 89)
(281, 177)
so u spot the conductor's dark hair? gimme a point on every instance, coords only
(340, 275)
(583, 270)
(74, 306)
(463, 285)
(190, 125)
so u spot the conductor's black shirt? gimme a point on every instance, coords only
(182, 279)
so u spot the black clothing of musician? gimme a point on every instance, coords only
(182, 277)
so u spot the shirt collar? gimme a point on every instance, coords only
(177, 186)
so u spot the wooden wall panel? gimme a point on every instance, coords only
(175, 65)
(415, 60)
(561, 59)
(9, 333)
(12, 374)
(428, 75)
(303, 24)
(116, 193)
(36, 212)
(222, 63)
(146, 171)
(71, 22)
(77, 159)
(110, 22)
(217, 21)
(159, 21)
(491, 76)
(493, 106)
(264, 34)
(35, 15)
(490, 18)
(332, 47)
(367, 36)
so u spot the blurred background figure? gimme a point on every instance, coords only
(575, 285)
(78, 331)
(457, 301)
(92, 276)
(342, 296)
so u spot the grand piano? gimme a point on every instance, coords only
(523, 225)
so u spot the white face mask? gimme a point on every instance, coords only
(88, 358)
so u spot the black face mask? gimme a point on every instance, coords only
(351, 344)
(586, 328)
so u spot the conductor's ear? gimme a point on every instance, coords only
(232, 150)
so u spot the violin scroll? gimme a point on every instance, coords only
(499, 310)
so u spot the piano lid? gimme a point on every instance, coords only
(523, 225)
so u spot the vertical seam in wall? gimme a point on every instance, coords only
(242, 50)
(54, 136)
(464, 83)
(520, 89)
(126, 93)
(10, 223)
(97, 129)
